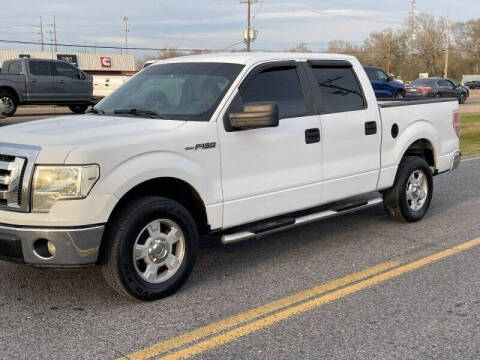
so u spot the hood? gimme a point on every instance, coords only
(58, 136)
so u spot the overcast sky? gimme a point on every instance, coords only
(215, 24)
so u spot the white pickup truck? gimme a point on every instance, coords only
(239, 145)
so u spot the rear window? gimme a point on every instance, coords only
(422, 82)
(15, 67)
(339, 89)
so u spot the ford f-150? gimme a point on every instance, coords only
(238, 145)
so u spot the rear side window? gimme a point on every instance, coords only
(15, 67)
(62, 69)
(280, 85)
(339, 88)
(40, 68)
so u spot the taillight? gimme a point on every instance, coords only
(456, 122)
(425, 89)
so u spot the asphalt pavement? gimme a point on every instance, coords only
(419, 301)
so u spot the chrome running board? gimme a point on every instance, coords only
(288, 223)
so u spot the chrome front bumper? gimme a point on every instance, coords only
(73, 247)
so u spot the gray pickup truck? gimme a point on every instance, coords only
(44, 82)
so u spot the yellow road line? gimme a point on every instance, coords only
(250, 315)
(316, 302)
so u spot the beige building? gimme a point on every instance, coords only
(95, 64)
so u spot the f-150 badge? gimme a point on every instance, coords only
(204, 146)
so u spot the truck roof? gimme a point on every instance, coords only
(245, 58)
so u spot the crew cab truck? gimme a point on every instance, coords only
(239, 145)
(44, 82)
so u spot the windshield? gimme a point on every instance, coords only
(180, 91)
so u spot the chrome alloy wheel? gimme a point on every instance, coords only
(158, 251)
(417, 190)
(8, 102)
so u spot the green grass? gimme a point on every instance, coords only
(470, 134)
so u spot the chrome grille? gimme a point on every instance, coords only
(10, 181)
(16, 167)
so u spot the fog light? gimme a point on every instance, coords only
(51, 248)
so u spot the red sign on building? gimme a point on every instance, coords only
(106, 62)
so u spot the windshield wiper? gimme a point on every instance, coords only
(140, 112)
(95, 111)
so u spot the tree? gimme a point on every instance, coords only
(467, 45)
(301, 48)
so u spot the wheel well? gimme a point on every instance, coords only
(424, 149)
(174, 189)
(10, 91)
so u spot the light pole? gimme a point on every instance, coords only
(125, 18)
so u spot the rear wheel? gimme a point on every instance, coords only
(410, 197)
(150, 249)
(78, 109)
(10, 103)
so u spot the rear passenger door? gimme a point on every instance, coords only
(351, 130)
(70, 84)
(272, 171)
(40, 84)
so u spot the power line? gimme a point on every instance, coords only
(249, 34)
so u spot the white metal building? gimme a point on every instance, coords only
(95, 64)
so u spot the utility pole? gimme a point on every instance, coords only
(41, 33)
(447, 48)
(389, 54)
(249, 34)
(55, 32)
(125, 18)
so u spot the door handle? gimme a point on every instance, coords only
(60, 81)
(370, 128)
(312, 136)
(33, 80)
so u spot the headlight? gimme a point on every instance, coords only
(54, 183)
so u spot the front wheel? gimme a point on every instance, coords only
(410, 197)
(399, 95)
(78, 109)
(463, 98)
(150, 249)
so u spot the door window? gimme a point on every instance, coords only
(339, 88)
(444, 83)
(40, 68)
(372, 75)
(62, 69)
(382, 76)
(281, 85)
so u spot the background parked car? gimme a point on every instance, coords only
(473, 84)
(383, 84)
(436, 87)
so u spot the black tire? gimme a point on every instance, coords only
(462, 98)
(78, 109)
(11, 101)
(118, 267)
(399, 95)
(395, 200)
